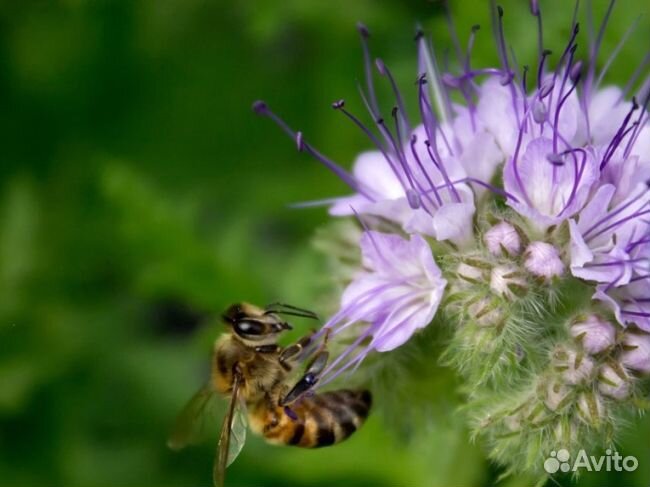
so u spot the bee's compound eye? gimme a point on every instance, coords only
(249, 327)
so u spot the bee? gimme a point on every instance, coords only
(250, 368)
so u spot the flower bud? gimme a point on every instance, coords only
(590, 408)
(636, 352)
(543, 260)
(507, 281)
(502, 238)
(557, 395)
(576, 367)
(513, 422)
(486, 312)
(469, 273)
(565, 431)
(594, 334)
(613, 382)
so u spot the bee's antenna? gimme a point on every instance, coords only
(287, 309)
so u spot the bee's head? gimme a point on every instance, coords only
(254, 325)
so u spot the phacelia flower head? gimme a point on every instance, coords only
(505, 199)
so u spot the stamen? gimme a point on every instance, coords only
(443, 172)
(428, 64)
(635, 76)
(594, 47)
(261, 108)
(587, 235)
(425, 172)
(470, 46)
(540, 72)
(534, 9)
(452, 32)
(397, 147)
(365, 34)
(384, 71)
(494, 189)
(524, 90)
(497, 21)
(623, 220)
(340, 106)
(568, 51)
(632, 245)
(615, 52)
(558, 106)
(578, 173)
(638, 126)
(616, 140)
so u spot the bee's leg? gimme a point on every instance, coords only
(308, 380)
(273, 348)
(291, 355)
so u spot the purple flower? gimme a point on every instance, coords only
(610, 244)
(630, 303)
(549, 187)
(445, 215)
(397, 293)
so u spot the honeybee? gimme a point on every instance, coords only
(251, 368)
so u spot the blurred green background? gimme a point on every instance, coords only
(139, 196)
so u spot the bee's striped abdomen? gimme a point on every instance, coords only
(320, 420)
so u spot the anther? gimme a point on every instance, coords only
(500, 10)
(555, 159)
(576, 71)
(394, 111)
(419, 34)
(260, 107)
(413, 199)
(476, 28)
(534, 7)
(380, 66)
(338, 104)
(363, 30)
(539, 111)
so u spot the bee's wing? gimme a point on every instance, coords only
(190, 423)
(233, 433)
